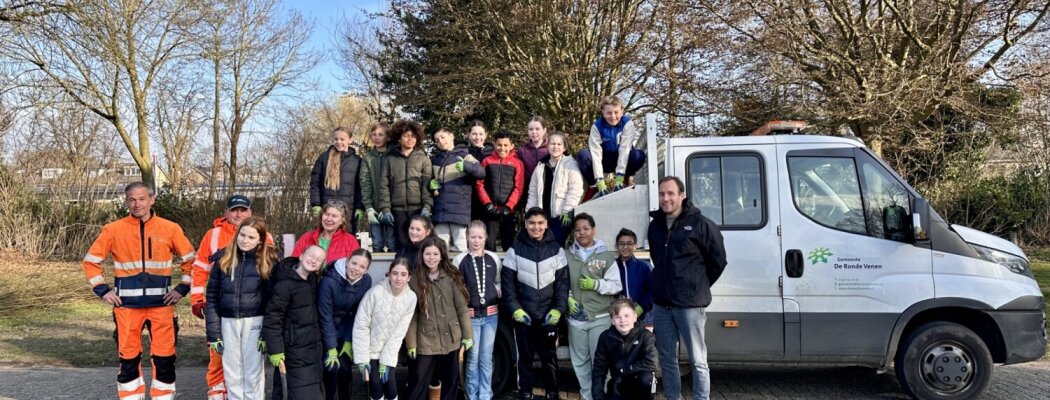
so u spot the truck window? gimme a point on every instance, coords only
(826, 190)
(887, 201)
(727, 188)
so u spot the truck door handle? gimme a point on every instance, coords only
(794, 263)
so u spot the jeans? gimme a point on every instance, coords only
(583, 342)
(479, 358)
(670, 324)
(635, 160)
(382, 236)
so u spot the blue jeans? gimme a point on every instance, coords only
(479, 358)
(670, 324)
(382, 236)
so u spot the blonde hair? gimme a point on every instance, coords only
(611, 101)
(265, 253)
(332, 177)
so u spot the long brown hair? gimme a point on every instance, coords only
(423, 281)
(265, 253)
(332, 177)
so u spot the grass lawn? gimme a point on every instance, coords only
(49, 317)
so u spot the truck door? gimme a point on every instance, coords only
(733, 187)
(849, 264)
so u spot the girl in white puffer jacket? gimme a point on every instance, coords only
(380, 327)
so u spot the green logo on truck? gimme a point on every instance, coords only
(819, 255)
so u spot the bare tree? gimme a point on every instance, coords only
(106, 55)
(881, 66)
(262, 51)
(360, 53)
(180, 115)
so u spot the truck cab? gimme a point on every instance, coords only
(834, 259)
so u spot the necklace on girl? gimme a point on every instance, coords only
(479, 273)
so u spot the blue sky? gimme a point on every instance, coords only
(325, 14)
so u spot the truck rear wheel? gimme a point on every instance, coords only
(943, 360)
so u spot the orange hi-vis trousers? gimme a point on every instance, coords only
(216, 381)
(162, 326)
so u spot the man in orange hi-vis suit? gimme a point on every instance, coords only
(238, 209)
(143, 246)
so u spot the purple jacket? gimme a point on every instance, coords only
(530, 156)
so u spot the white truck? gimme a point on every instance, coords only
(833, 259)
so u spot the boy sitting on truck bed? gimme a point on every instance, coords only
(611, 147)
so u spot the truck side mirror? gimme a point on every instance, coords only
(920, 216)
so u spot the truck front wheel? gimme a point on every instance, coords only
(943, 360)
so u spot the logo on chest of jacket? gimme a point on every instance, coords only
(596, 265)
(688, 228)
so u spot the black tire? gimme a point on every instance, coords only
(943, 360)
(503, 376)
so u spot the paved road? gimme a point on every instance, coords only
(1025, 381)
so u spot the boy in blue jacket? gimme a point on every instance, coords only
(610, 147)
(637, 275)
(341, 289)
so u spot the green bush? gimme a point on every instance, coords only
(1003, 204)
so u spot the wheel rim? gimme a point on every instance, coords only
(947, 367)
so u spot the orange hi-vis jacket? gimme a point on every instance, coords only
(216, 238)
(142, 260)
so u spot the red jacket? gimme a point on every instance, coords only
(343, 243)
(504, 180)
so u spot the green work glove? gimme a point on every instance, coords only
(588, 283)
(520, 316)
(363, 368)
(638, 310)
(261, 345)
(276, 359)
(566, 219)
(553, 316)
(382, 373)
(468, 343)
(332, 362)
(459, 164)
(359, 214)
(602, 189)
(574, 306)
(434, 185)
(387, 218)
(315, 210)
(411, 354)
(618, 182)
(347, 349)
(216, 346)
(373, 216)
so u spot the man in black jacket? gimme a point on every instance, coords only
(688, 257)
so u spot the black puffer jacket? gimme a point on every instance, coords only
(403, 186)
(633, 355)
(241, 294)
(687, 260)
(291, 326)
(350, 168)
(535, 276)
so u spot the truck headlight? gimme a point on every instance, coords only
(1015, 264)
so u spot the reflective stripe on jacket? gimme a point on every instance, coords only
(142, 260)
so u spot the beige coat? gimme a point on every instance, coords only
(567, 186)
